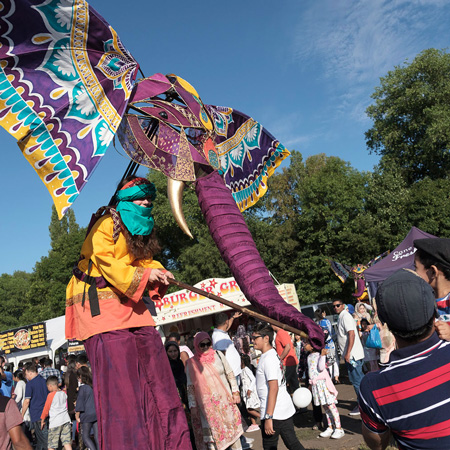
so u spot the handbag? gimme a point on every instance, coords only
(374, 338)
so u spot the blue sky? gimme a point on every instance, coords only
(305, 69)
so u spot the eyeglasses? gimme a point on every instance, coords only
(256, 337)
(205, 344)
(337, 306)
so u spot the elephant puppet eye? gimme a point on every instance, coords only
(163, 115)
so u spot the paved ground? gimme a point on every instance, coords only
(310, 439)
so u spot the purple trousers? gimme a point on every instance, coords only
(137, 402)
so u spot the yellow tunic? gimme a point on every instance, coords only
(121, 304)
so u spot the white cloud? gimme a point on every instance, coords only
(356, 42)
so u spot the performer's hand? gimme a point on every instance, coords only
(442, 329)
(236, 398)
(268, 427)
(324, 352)
(159, 275)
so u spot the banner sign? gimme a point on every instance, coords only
(75, 346)
(24, 338)
(185, 304)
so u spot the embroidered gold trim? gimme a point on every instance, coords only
(137, 278)
(105, 295)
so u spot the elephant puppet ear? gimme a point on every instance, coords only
(65, 81)
(248, 154)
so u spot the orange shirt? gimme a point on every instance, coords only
(281, 341)
(121, 304)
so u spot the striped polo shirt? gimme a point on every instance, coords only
(411, 396)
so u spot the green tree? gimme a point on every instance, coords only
(13, 290)
(189, 260)
(46, 296)
(313, 205)
(411, 116)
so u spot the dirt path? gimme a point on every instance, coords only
(310, 439)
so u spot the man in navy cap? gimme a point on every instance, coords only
(432, 263)
(410, 397)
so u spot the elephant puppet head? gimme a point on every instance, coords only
(229, 156)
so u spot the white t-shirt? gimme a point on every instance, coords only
(221, 341)
(185, 348)
(270, 368)
(346, 323)
(58, 410)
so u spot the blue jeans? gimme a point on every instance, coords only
(355, 374)
(41, 435)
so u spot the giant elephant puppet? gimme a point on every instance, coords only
(65, 82)
(217, 149)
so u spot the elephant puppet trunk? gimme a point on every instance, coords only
(232, 236)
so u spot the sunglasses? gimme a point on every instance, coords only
(205, 344)
(256, 337)
(337, 306)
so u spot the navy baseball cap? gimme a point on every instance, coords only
(405, 302)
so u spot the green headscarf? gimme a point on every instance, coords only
(138, 219)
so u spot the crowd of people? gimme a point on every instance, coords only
(196, 395)
(46, 408)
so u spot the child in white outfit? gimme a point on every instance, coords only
(323, 391)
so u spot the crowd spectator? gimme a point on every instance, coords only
(249, 394)
(11, 433)
(185, 351)
(35, 398)
(213, 396)
(71, 384)
(371, 355)
(222, 341)
(85, 408)
(362, 312)
(408, 398)
(49, 371)
(6, 377)
(59, 421)
(277, 409)
(177, 366)
(82, 361)
(19, 397)
(350, 347)
(332, 357)
(432, 263)
(288, 357)
(323, 391)
(241, 340)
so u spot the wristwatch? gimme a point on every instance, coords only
(267, 417)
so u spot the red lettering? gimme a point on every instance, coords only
(224, 288)
(234, 286)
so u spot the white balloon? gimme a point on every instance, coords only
(302, 397)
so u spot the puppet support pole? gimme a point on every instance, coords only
(242, 309)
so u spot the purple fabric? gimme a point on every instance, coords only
(401, 257)
(62, 97)
(231, 235)
(136, 398)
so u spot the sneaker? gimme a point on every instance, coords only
(246, 446)
(354, 411)
(327, 433)
(338, 433)
(252, 428)
(250, 440)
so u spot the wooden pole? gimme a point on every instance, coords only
(242, 309)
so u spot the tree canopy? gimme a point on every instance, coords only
(411, 117)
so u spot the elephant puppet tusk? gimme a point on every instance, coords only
(175, 193)
(242, 309)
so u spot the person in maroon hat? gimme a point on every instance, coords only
(432, 263)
